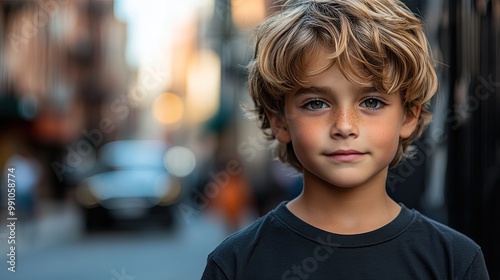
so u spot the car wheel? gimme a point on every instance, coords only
(97, 219)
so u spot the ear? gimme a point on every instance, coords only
(410, 121)
(279, 128)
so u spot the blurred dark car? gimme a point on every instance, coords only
(133, 186)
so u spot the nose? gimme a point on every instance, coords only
(344, 123)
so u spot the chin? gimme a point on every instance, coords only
(346, 184)
(349, 181)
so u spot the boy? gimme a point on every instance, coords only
(343, 86)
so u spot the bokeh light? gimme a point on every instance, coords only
(168, 108)
(203, 86)
(180, 161)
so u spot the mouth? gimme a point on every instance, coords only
(346, 155)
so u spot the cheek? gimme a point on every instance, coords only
(384, 132)
(304, 134)
(306, 138)
(386, 141)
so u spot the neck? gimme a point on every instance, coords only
(344, 210)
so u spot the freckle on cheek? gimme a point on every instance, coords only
(353, 117)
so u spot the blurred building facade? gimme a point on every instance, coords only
(455, 176)
(62, 61)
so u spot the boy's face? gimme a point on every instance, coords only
(343, 134)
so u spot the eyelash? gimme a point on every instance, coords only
(309, 102)
(380, 104)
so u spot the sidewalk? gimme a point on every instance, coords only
(54, 223)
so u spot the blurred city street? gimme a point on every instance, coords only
(116, 110)
(61, 250)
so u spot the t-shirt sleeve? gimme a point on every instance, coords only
(477, 269)
(213, 271)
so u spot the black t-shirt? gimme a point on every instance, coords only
(281, 246)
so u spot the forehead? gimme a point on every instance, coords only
(318, 63)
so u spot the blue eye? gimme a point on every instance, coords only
(315, 105)
(372, 104)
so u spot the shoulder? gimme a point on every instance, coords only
(464, 256)
(238, 247)
(449, 236)
(242, 238)
(223, 260)
(266, 227)
(443, 248)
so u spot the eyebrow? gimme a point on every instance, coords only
(303, 91)
(326, 90)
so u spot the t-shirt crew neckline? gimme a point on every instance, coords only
(386, 233)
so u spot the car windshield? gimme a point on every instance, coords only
(134, 153)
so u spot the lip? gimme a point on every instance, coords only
(346, 155)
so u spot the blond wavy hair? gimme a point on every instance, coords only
(383, 38)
